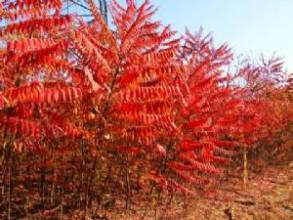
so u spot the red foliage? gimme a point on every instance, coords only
(134, 97)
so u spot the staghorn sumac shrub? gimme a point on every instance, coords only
(266, 90)
(34, 46)
(206, 121)
(39, 93)
(135, 74)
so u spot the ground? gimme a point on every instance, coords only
(269, 196)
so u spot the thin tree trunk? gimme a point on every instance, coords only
(245, 168)
(9, 182)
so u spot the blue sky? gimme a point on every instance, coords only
(249, 26)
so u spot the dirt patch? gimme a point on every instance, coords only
(269, 196)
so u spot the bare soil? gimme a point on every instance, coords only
(268, 196)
